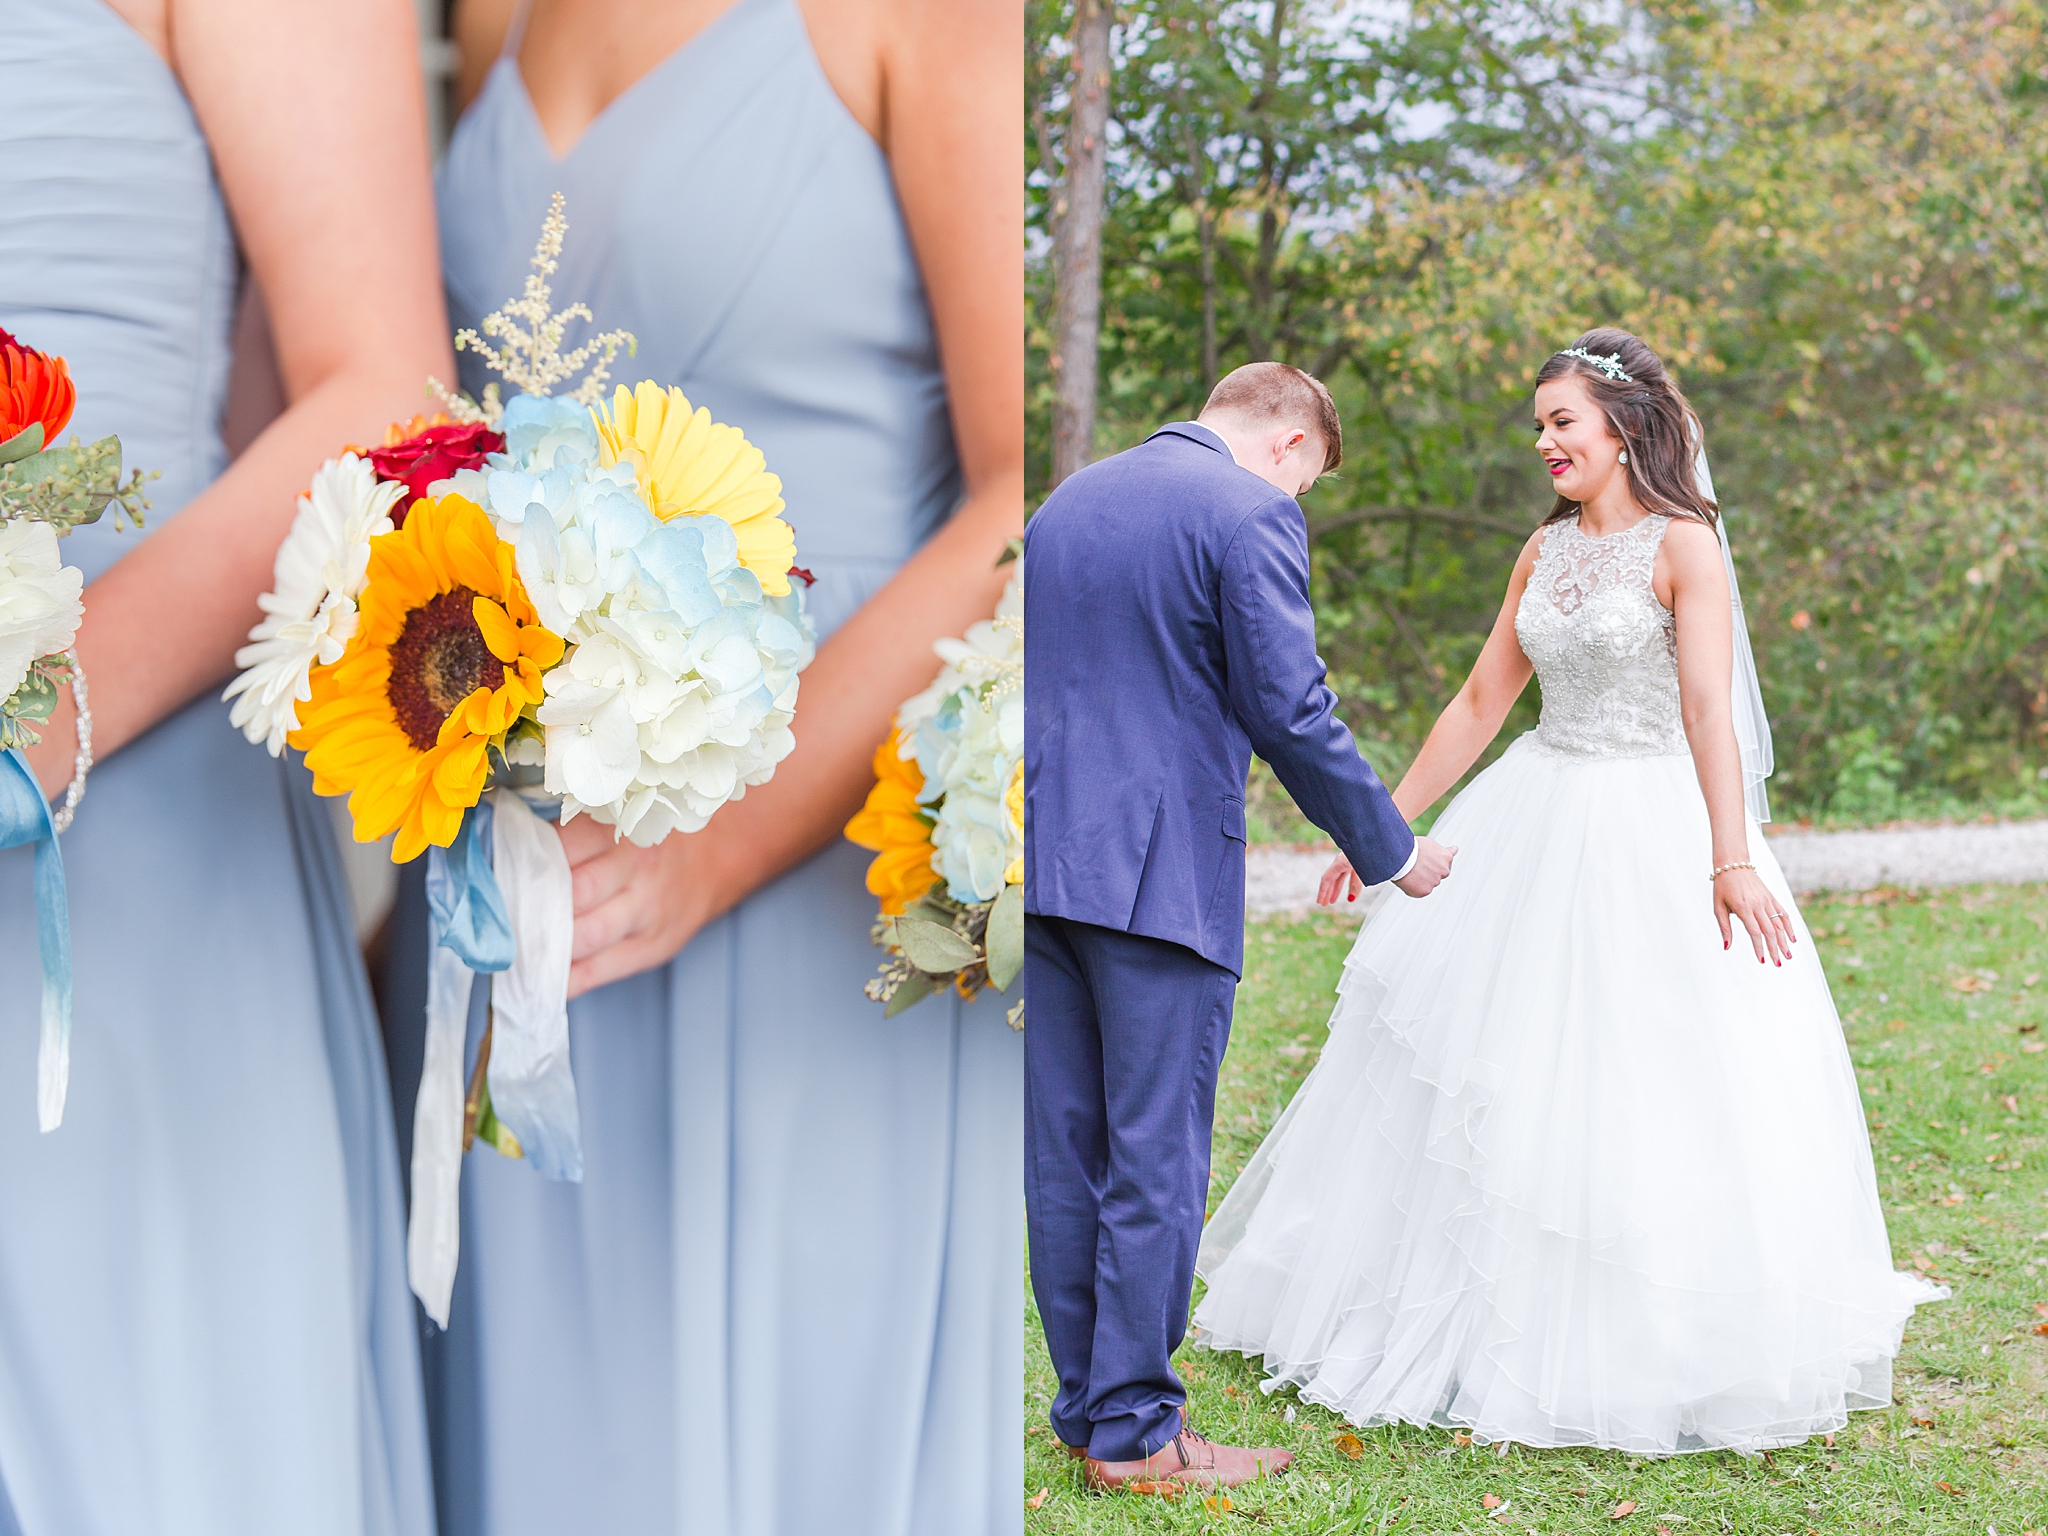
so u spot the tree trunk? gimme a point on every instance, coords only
(1077, 248)
(1207, 217)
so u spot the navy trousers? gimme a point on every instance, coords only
(1120, 1059)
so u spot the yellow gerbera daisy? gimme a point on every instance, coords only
(894, 825)
(689, 465)
(447, 653)
(1013, 807)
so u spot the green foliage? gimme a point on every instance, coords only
(940, 943)
(1943, 1000)
(32, 704)
(71, 485)
(1828, 217)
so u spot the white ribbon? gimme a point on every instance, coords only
(532, 1089)
(433, 1239)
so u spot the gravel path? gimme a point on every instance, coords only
(1283, 878)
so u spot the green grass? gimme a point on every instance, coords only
(1957, 1097)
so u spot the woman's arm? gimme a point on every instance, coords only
(1461, 732)
(949, 114)
(316, 118)
(1689, 568)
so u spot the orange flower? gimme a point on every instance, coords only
(34, 388)
(895, 826)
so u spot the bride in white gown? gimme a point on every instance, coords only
(1583, 1162)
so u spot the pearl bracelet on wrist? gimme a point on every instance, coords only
(81, 765)
(1717, 874)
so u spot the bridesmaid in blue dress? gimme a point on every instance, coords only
(786, 1299)
(204, 1325)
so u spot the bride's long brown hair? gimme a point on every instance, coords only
(1651, 417)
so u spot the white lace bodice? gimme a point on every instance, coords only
(1605, 650)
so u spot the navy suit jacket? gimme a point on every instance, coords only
(1168, 635)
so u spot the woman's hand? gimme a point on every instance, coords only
(636, 907)
(1335, 879)
(1739, 894)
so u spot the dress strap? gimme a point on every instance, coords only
(515, 29)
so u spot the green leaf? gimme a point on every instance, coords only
(71, 486)
(490, 1128)
(939, 951)
(915, 989)
(1006, 938)
(25, 442)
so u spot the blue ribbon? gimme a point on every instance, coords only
(25, 818)
(462, 893)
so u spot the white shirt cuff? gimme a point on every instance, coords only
(1413, 853)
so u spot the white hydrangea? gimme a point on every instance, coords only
(39, 600)
(321, 570)
(681, 678)
(966, 732)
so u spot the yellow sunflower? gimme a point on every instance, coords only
(893, 824)
(689, 465)
(447, 653)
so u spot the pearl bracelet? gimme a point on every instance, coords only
(1717, 874)
(81, 765)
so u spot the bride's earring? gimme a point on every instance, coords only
(1624, 455)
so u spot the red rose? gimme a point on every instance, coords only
(433, 455)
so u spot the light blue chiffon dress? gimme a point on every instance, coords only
(787, 1297)
(204, 1324)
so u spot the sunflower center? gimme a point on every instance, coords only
(438, 660)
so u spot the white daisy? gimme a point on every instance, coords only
(39, 600)
(320, 572)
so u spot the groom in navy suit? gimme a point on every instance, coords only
(1168, 636)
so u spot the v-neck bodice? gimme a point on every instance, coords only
(730, 212)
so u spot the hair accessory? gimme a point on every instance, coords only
(1608, 363)
(1717, 874)
(81, 765)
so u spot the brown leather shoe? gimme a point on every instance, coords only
(1188, 1460)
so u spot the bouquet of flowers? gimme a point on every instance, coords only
(546, 607)
(45, 491)
(946, 821)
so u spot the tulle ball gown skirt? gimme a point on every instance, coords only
(1569, 1172)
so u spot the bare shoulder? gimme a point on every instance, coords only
(879, 55)
(1690, 543)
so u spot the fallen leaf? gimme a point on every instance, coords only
(1459, 1437)
(1924, 1423)
(1952, 1490)
(1350, 1445)
(1828, 1441)
(1490, 1501)
(2012, 1103)
(1967, 984)
(1218, 1504)
(2041, 1328)
(1623, 1510)
(2034, 1047)
(1663, 1530)
(1037, 1500)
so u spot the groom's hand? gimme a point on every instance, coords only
(1432, 863)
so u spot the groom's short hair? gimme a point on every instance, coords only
(1275, 392)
